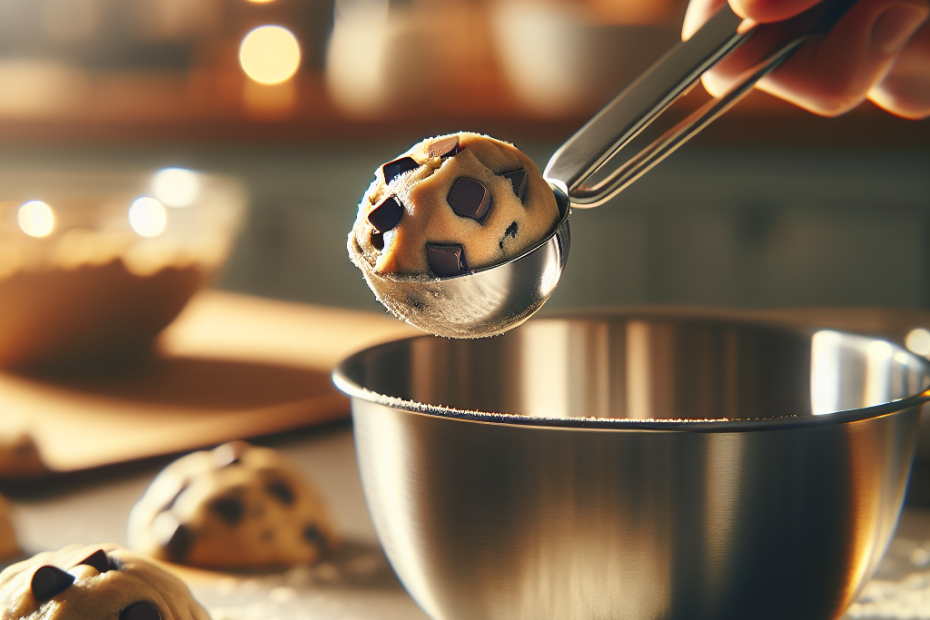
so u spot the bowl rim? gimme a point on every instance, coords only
(349, 386)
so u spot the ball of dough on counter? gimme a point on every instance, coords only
(450, 205)
(19, 457)
(8, 545)
(99, 581)
(237, 506)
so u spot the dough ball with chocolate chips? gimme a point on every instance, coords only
(100, 581)
(237, 506)
(448, 206)
(9, 548)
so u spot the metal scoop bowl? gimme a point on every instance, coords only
(635, 131)
(485, 302)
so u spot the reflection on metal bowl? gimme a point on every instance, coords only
(636, 465)
(93, 265)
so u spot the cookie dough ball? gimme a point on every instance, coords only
(449, 206)
(237, 506)
(19, 457)
(8, 546)
(100, 581)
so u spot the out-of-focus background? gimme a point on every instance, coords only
(303, 99)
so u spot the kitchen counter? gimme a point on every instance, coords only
(357, 582)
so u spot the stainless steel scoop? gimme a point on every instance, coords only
(634, 132)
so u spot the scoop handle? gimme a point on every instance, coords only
(604, 156)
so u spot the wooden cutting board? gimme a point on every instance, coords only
(231, 366)
(234, 366)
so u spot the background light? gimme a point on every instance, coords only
(36, 218)
(918, 341)
(269, 54)
(176, 187)
(147, 217)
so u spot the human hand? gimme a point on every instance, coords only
(879, 50)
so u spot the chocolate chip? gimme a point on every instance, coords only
(228, 509)
(282, 491)
(446, 259)
(386, 214)
(179, 544)
(377, 240)
(314, 536)
(48, 581)
(394, 169)
(518, 179)
(229, 453)
(143, 610)
(447, 147)
(98, 559)
(510, 232)
(469, 198)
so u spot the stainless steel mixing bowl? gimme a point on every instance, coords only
(637, 466)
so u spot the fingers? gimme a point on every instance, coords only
(768, 11)
(699, 11)
(764, 11)
(833, 74)
(905, 91)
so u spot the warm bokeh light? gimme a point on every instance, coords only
(36, 218)
(269, 54)
(260, 1)
(918, 341)
(148, 217)
(176, 187)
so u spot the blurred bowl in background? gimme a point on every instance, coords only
(93, 265)
(559, 60)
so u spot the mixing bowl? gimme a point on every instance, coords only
(636, 465)
(94, 263)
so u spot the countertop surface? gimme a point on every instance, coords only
(356, 583)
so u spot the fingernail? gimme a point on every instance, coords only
(894, 28)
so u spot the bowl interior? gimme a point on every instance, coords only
(641, 366)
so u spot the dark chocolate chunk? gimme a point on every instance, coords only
(510, 232)
(228, 509)
(314, 536)
(447, 147)
(99, 560)
(446, 259)
(377, 240)
(394, 169)
(48, 581)
(469, 198)
(282, 491)
(386, 214)
(517, 178)
(229, 453)
(179, 543)
(143, 610)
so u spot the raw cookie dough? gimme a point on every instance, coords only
(237, 506)
(452, 204)
(99, 581)
(19, 457)
(8, 546)
(449, 206)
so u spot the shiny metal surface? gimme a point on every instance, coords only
(659, 466)
(485, 302)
